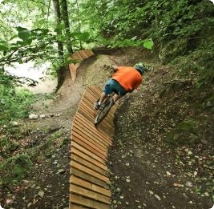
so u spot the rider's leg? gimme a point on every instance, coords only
(107, 90)
(102, 98)
(116, 97)
(120, 91)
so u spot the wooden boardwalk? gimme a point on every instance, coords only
(78, 57)
(89, 182)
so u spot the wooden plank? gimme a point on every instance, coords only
(85, 144)
(82, 123)
(75, 151)
(88, 101)
(73, 72)
(89, 117)
(88, 202)
(77, 56)
(84, 54)
(89, 171)
(78, 128)
(87, 185)
(89, 182)
(94, 90)
(89, 142)
(90, 114)
(102, 134)
(88, 164)
(89, 52)
(86, 109)
(90, 154)
(76, 189)
(89, 178)
(105, 124)
(98, 139)
(90, 98)
(74, 206)
(106, 127)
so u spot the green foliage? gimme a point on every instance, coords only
(34, 36)
(16, 165)
(183, 19)
(181, 31)
(85, 36)
(175, 29)
(16, 168)
(28, 44)
(185, 133)
(13, 103)
(3, 46)
(148, 44)
(198, 65)
(193, 130)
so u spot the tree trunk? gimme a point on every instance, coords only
(79, 22)
(58, 21)
(65, 17)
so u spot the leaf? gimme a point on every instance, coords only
(148, 44)
(178, 185)
(59, 28)
(41, 193)
(3, 47)
(40, 31)
(82, 36)
(23, 33)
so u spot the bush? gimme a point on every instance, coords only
(14, 103)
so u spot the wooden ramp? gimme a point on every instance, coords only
(89, 182)
(78, 57)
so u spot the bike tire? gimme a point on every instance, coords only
(103, 111)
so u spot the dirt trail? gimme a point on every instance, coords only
(143, 172)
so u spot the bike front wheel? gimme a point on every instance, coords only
(103, 111)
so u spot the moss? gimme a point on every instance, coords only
(185, 133)
(172, 50)
(199, 129)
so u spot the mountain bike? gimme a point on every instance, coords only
(104, 109)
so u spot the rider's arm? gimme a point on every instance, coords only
(135, 86)
(115, 68)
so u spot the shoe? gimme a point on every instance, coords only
(97, 105)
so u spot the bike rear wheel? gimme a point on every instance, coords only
(103, 111)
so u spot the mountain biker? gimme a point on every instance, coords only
(124, 80)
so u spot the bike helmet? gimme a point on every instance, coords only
(140, 67)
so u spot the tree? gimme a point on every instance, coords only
(58, 22)
(65, 18)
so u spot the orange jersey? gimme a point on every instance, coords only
(128, 77)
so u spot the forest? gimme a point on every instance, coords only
(178, 34)
(52, 30)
